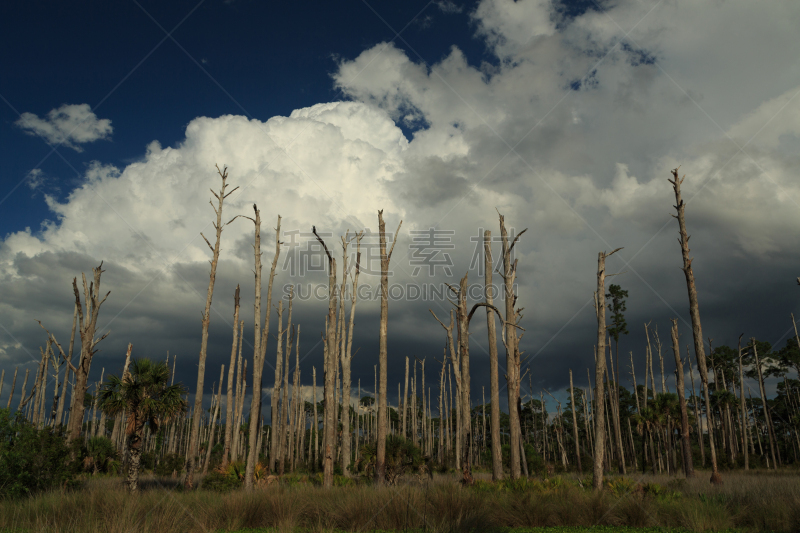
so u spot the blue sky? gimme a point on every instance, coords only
(241, 57)
(567, 117)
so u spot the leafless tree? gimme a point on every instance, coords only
(87, 318)
(201, 366)
(600, 370)
(260, 343)
(488, 267)
(743, 407)
(214, 416)
(347, 353)
(330, 370)
(511, 343)
(383, 422)
(694, 312)
(686, 443)
(229, 403)
(575, 424)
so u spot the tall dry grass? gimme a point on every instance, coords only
(755, 501)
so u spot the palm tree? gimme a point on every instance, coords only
(144, 394)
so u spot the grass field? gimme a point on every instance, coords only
(754, 501)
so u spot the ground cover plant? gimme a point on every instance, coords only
(754, 501)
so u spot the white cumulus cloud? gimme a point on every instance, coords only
(68, 125)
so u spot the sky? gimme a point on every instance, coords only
(566, 117)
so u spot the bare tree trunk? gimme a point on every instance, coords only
(347, 353)
(696, 410)
(694, 312)
(229, 403)
(743, 409)
(13, 387)
(330, 370)
(63, 396)
(686, 443)
(600, 370)
(274, 444)
(767, 413)
(201, 366)
(259, 345)
(316, 420)
(575, 424)
(488, 267)
(87, 318)
(405, 404)
(383, 422)
(214, 416)
(511, 345)
(283, 439)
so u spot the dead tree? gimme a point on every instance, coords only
(330, 370)
(62, 397)
(686, 443)
(600, 370)
(201, 366)
(276, 394)
(767, 412)
(226, 454)
(87, 318)
(488, 267)
(511, 343)
(575, 424)
(383, 421)
(743, 407)
(348, 350)
(455, 360)
(694, 312)
(214, 416)
(260, 343)
(13, 386)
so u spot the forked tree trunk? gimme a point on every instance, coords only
(201, 366)
(488, 267)
(383, 422)
(229, 403)
(87, 318)
(260, 345)
(694, 312)
(686, 443)
(600, 370)
(512, 349)
(330, 371)
(347, 356)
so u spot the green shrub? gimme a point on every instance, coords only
(221, 482)
(148, 461)
(101, 452)
(402, 457)
(32, 460)
(172, 462)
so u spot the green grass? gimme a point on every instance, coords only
(747, 502)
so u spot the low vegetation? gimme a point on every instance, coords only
(753, 501)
